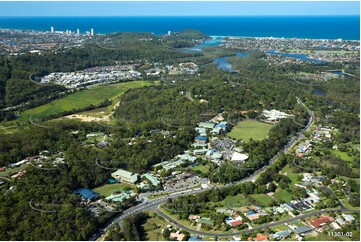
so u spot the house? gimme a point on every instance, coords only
(321, 222)
(340, 221)
(155, 182)
(86, 194)
(261, 237)
(348, 218)
(281, 234)
(303, 230)
(235, 223)
(253, 216)
(193, 217)
(125, 176)
(286, 206)
(334, 225)
(177, 236)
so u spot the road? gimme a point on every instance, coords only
(153, 204)
(228, 234)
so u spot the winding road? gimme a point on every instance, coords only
(152, 205)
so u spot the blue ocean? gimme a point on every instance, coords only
(313, 27)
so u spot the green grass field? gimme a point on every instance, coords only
(280, 227)
(263, 198)
(201, 168)
(294, 177)
(108, 189)
(284, 195)
(82, 99)
(250, 129)
(236, 201)
(342, 155)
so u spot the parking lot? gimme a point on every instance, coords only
(182, 182)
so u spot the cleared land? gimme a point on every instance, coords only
(235, 202)
(246, 130)
(153, 227)
(204, 169)
(283, 195)
(108, 189)
(342, 155)
(263, 198)
(82, 99)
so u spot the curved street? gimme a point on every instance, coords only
(153, 204)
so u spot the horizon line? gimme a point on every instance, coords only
(293, 15)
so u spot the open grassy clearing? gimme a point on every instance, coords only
(342, 155)
(108, 189)
(282, 195)
(236, 201)
(204, 169)
(82, 99)
(153, 227)
(294, 177)
(280, 227)
(250, 129)
(263, 198)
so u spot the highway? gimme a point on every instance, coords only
(152, 205)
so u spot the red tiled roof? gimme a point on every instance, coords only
(261, 237)
(235, 223)
(321, 221)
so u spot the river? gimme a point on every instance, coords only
(222, 62)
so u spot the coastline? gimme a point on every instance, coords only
(277, 27)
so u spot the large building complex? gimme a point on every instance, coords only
(125, 176)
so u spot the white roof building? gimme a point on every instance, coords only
(239, 157)
(275, 115)
(348, 218)
(340, 221)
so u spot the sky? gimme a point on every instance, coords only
(200, 8)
